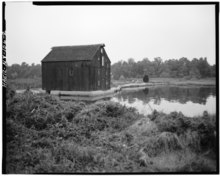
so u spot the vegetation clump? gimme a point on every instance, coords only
(146, 78)
(46, 135)
(198, 132)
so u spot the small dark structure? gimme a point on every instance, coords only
(146, 78)
(76, 68)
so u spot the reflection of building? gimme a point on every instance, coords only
(76, 68)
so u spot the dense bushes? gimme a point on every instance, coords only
(37, 122)
(197, 133)
(46, 135)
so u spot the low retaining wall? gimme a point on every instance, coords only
(88, 95)
(91, 95)
(79, 95)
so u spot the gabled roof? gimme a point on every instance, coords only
(72, 53)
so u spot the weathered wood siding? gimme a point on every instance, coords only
(66, 76)
(102, 71)
(107, 68)
(77, 75)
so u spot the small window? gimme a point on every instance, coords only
(103, 61)
(98, 82)
(70, 72)
(98, 73)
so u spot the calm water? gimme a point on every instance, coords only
(191, 101)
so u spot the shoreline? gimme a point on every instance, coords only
(100, 94)
(133, 85)
(23, 83)
(167, 81)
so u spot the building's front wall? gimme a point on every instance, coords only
(69, 76)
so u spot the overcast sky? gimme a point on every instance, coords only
(169, 32)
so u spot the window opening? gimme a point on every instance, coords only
(103, 61)
(70, 72)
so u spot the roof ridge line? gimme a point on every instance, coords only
(101, 44)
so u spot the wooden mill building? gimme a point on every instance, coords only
(76, 68)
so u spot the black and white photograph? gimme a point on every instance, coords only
(110, 87)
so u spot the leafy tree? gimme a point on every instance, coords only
(203, 67)
(213, 71)
(184, 67)
(157, 64)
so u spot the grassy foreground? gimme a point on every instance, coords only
(46, 135)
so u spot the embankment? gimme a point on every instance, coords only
(46, 135)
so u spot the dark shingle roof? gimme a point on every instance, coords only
(72, 53)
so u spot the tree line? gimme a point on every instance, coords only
(173, 68)
(23, 71)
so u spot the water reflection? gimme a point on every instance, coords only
(190, 101)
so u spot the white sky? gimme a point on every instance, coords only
(169, 32)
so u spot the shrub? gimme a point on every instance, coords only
(199, 165)
(10, 92)
(12, 130)
(40, 123)
(71, 111)
(164, 142)
(145, 78)
(199, 132)
(42, 143)
(113, 109)
(79, 155)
